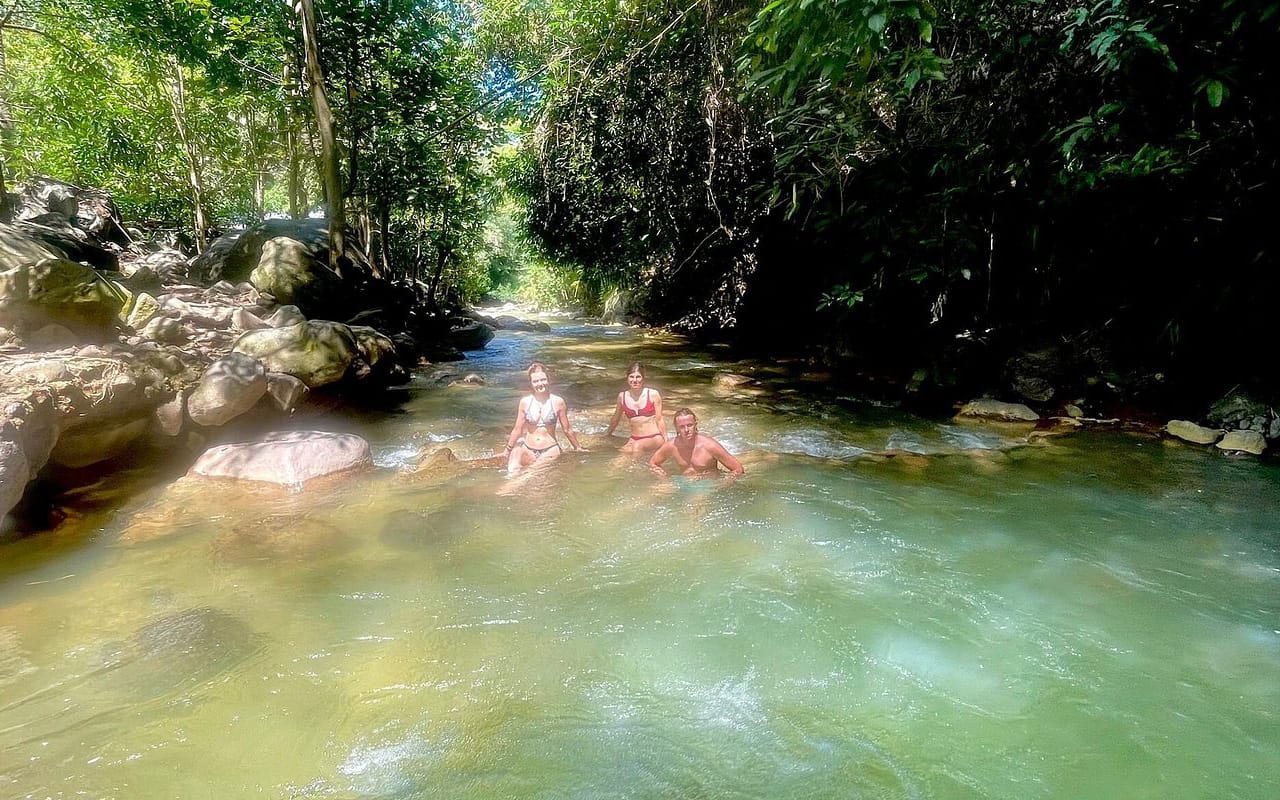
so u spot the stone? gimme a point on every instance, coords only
(289, 272)
(61, 291)
(1189, 431)
(286, 392)
(145, 307)
(28, 433)
(1074, 411)
(171, 415)
(284, 316)
(317, 352)
(51, 337)
(165, 330)
(1243, 442)
(1235, 408)
(243, 320)
(287, 459)
(379, 363)
(732, 380)
(92, 443)
(468, 334)
(229, 387)
(986, 408)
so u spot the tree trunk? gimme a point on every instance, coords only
(176, 92)
(289, 124)
(7, 132)
(384, 229)
(330, 170)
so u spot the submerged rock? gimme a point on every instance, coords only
(287, 459)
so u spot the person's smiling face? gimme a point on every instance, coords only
(539, 382)
(635, 380)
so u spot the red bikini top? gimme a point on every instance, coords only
(646, 411)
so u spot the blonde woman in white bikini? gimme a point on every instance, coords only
(533, 436)
(642, 406)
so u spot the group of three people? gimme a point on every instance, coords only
(533, 436)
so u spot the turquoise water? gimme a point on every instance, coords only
(1094, 616)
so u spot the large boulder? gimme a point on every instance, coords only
(228, 388)
(233, 256)
(57, 232)
(468, 334)
(1189, 431)
(94, 394)
(28, 433)
(58, 290)
(1243, 442)
(288, 459)
(290, 273)
(379, 363)
(317, 352)
(90, 209)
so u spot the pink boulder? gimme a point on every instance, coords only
(288, 459)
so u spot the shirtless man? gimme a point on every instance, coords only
(697, 454)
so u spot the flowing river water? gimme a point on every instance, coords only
(1092, 616)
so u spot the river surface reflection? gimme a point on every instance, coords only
(1095, 616)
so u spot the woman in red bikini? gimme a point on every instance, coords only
(642, 407)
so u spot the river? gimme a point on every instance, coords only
(1090, 616)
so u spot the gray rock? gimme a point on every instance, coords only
(288, 459)
(286, 392)
(1191, 432)
(1244, 442)
(171, 415)
(284, 316)
(95, 442)
(243, 320)
(56, 290)
(51, 337)
(986, 408)
(318, 352)
(468, 334)
(229, 387)
(1235, 408)
(379, 363)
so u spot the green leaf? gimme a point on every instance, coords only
(1216, 92)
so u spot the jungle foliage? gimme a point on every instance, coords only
(197, 115)
(938, 179)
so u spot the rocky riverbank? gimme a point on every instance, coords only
(105, 341)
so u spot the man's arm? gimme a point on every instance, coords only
(725, 457)
(660, 456)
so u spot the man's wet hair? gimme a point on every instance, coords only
(685, 412)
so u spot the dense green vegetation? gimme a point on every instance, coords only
(928, 189)
(952, 182)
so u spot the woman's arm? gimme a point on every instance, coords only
(657, 414)
(514, 436)
(563, 413)
(617, 416)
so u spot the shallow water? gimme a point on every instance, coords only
(1091, 616)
